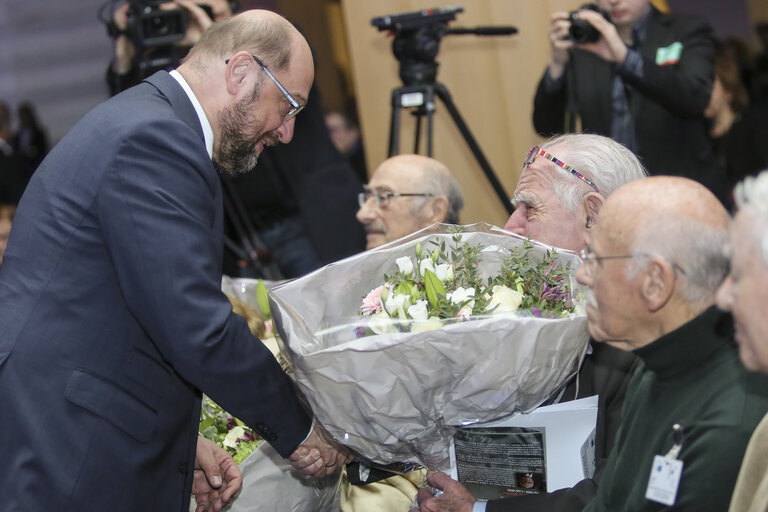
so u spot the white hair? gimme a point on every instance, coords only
(751, 194)
(602, 160)
(691, 247)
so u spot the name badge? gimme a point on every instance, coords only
(668, 55)
(664, 480)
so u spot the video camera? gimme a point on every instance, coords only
(149, 26)
(417, 39)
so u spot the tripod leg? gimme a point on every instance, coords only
(417, 137)
(443, 94)
(394, 123)
(429, 106)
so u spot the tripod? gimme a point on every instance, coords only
(423, 97)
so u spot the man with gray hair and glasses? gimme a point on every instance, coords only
(745, 294)
(405, 194)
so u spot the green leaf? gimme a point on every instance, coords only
(434, 288)
(262, 299)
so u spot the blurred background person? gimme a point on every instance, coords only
(13, 172)
(345, 134)
(738, 133)
(644, 80)
(138, 55)
(30, 141)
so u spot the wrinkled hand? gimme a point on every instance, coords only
(319, 456)
(217, 478)
(559, 43)
(455, 497)
(610, 46)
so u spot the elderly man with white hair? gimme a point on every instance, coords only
(745, 294)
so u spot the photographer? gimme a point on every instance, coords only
(125, 70)
(645, 81)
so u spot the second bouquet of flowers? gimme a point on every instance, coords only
(395, 347)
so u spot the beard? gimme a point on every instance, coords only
(237, 153)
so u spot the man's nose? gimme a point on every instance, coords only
(285, 130)
(367, 213)
(724, 296)
(516, 222)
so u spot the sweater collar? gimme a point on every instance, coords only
(689, 345)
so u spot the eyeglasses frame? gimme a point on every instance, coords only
(363, 197)
(587, 255)
(296, 107)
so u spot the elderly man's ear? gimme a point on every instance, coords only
(592, 204)
(658, 284)
(437, 209)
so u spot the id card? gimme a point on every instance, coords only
(664, 480)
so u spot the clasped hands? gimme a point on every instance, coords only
(319, 456)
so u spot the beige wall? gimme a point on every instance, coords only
(492, 81)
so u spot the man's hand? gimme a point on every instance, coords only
(455, 497)
(610, 46)
(217, 478)
(319, 456)
(559, 43)
(198, 22)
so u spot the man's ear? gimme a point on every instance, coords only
(237, 71)
(437, 209)
(593, 202)
(658, 284)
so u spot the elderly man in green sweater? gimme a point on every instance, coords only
(652, 267)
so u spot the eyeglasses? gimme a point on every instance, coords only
(591, 260)
(536, 151)
(382, 198)
(296, 107)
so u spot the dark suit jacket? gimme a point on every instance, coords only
(113, 320)
(605, 372)
(667, 104)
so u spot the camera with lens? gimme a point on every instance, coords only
(581, 31)
(150, 26)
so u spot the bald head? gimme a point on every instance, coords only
(677, 219)
(654, 261)
(438, 198)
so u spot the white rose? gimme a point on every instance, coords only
(380, 323)
(444, 272)
(426, 264)
(430, 324)
(506, 299)
(419, 310)
(405, 265)
(230, 440)
(396, 304)
(461, 294)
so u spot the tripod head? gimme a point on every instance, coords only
(417, 40)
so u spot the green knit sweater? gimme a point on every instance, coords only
(692, 376)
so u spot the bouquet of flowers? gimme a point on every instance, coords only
(397, 346)
(444, 285)
(225, 430)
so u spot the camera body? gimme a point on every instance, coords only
(581, 31)
(149, 26)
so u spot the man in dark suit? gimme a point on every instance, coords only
(645, 82)
(113, 318)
